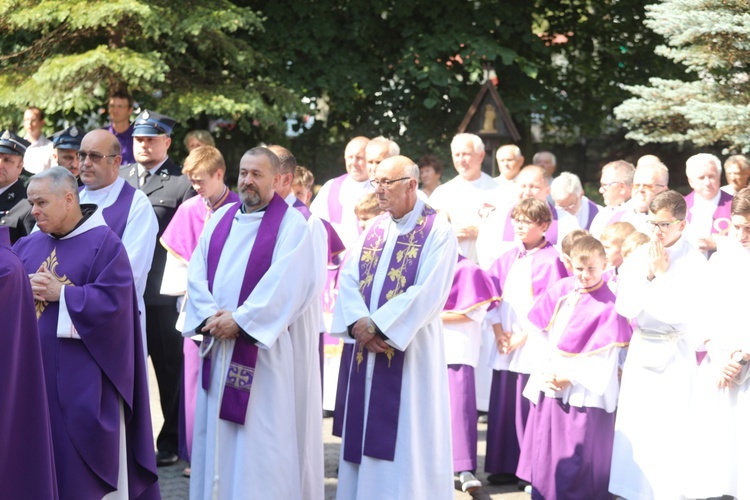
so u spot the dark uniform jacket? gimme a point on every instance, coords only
(166, 190)
(15, 211)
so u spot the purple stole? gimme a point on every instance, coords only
(594, 327)
(245, 354)
(593, 210)
(551, 235)
(335, 210)
(471, 288)
(546, 267)
(385, 393)
(722, 215)
(335, 245)
(116, 215)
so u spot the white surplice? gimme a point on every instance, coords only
(422, 466)
(463, 201)
(652, 435)
(305, 335)
(139, 237)
(260, 458)
(719, 458)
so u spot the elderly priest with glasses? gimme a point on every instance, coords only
(396, 441)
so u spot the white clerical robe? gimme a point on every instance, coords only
(305, 335)
(350, 193)
(139, 237)
(652, 435)
(719, 461)
(463, 200)
(260, 458)
(422, 466)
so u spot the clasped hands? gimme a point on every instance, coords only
(507, 342)
(44, 285)
(370, 341)
(222, 326)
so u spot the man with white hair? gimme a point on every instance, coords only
(462, 197)
(737, 170)
(616, 186)
(509, 162)
(567, 193)
(377, 150)
(708, 208)
(546, 160)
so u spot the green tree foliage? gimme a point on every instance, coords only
(711, 39)
(185, 59)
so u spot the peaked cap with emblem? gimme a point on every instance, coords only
(10, 143)
(152, 124)
(69, 138)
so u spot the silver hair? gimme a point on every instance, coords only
(538, 154)
(701, 159)
(61, 180)
(566, 184)
(261, 151)
(389, 145)
(657, 167)
(624, 170)
(460, 139)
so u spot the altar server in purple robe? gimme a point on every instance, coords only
(94, 367)
(249, 278)
(397, 437)
(24, 421)
(305, 333)
(472, 294)
(573, 388)
(657, 290)
(205, 168)
(708, 207)
(520, 276)
(126, 210)
(336, 199)
(721, 401)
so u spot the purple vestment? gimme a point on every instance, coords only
(593, 210)
(26, 455)
(567, 450)
(471, 288)
(546, 267)
(87, 378)
(335, 210)
(181, 238)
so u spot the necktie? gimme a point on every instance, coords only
(144, 177)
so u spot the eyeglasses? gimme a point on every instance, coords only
(386, 183)
(569, 207)
(95, 157)
(606, 185)
(525, 222)
(647, 187)
(663, 225)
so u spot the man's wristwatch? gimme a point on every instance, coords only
(739, 357)
(371, 328)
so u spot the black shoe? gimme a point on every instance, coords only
(164, 458)
(502, 478)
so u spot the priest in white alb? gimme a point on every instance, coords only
(397, 437)
(248, 279)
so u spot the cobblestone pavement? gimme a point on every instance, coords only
(174, 486)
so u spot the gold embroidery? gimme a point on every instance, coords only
(389, 353)
(360, 355)
(240, 376)
(50, 264)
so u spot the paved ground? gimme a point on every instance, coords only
(176, 487)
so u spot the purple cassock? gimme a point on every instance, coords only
(508, 409)
(87, 378)
(722, 218)
(593, 210)
(567, 450)
(28, 469)
(471, 288)
(181, 238)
